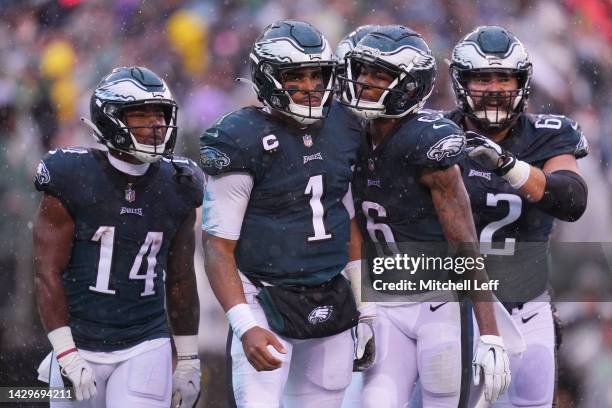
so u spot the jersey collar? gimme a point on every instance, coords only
(128, 168)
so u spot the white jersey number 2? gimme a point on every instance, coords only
(486, 235)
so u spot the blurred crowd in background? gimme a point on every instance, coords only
(53, 53)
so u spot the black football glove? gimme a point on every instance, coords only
(489, 153)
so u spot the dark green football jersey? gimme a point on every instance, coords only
(123, 233)
(390, 202)
(513, 232)
(296, 229)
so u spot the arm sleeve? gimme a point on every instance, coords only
(347, 200)
(565, 195)
(225, 202)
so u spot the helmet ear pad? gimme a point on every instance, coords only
(267, 92)
(402, 95)
(120, 138)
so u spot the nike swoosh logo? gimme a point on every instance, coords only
(438, 126)
(526, 319)
(434, 308)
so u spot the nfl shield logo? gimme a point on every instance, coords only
(130, 194)
(371, 164)
(307, 140)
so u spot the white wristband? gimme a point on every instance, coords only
(518, 175)
(352, 271)
(186, 345)
(61, 340)
(367, 310)
(492, 340)
(241, 319)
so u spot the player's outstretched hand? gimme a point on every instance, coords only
(255, 344)
(492, 360)
(186, 383)
(79, 373)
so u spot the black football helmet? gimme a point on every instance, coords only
(288, 45)
(491, 49)
(348, 43)
(123, 89)
(402, 53)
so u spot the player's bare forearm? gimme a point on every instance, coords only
(534, 187)
(181, 284)
(52, 237)
(452, 204)
(221, 270)
(355, 242)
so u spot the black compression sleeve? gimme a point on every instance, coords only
(565, 195)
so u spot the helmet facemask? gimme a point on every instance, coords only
(163, 138)
(491, 110)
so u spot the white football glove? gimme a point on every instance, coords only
(496, 159)
(365, 342)
(72, 366)
(186, 383)
(80, 374)
(186, 379)
(491, 358)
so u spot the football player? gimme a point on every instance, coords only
(352, 396)
(408, 188)
(277, 212)
(521, 174)
(114, 241)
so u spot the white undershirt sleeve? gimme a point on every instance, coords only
(225, 201)
(347, 200)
